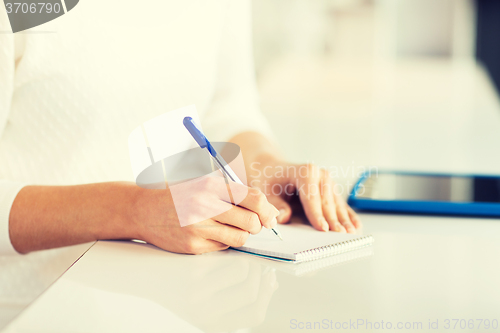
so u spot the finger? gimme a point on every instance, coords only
(283, 207)
(250, 198)
(354, 218)
(241, 218)
(328, 204)
(342, 228)
(343, 215)
(310, 197)
(225, 234)
(257, 202)
(204, 246)
(213, 246)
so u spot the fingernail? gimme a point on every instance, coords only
(337, 227)
(325, 226)
(281, 215)
(276, 211)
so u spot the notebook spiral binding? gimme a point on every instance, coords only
(311, 266)
(334, 249)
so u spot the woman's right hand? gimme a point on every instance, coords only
(157, 218)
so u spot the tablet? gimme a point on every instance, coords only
(426, 193)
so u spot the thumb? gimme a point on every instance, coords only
(282, 206)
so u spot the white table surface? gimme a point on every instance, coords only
(419, 115)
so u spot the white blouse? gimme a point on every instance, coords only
(72, 90)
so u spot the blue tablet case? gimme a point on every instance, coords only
(423, 207)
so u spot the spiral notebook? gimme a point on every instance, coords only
(302, 243)
(337, 260)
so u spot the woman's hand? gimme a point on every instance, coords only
(323, 207)
(203, 206)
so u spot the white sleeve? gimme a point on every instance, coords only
(235, 106)
(8, 190)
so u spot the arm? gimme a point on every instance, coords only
(44, 217)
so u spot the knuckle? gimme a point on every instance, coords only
(190, 247)
(313, 168)
(240, 239)
(252, 223)
(260, 201)
(340, 216)
(327, 184)
(315, 172)
(213, 180)
(345, 221)
(344, 218)
(253, 192)
(324, 174)
(240, 192)
(209, 183)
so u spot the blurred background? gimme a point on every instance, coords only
(379, 78)
(370, 30)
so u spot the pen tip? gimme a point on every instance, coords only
(276, 232)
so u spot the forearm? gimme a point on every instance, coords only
(45, 217)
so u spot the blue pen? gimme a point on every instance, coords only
(203, 142)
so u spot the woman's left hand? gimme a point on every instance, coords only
(325, 209)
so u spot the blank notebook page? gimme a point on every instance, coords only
(303, 243)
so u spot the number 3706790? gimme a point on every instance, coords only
(470, 324)
(25, 8)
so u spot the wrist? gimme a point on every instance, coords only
(118, 211)
(152, 214)
(267, 169)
